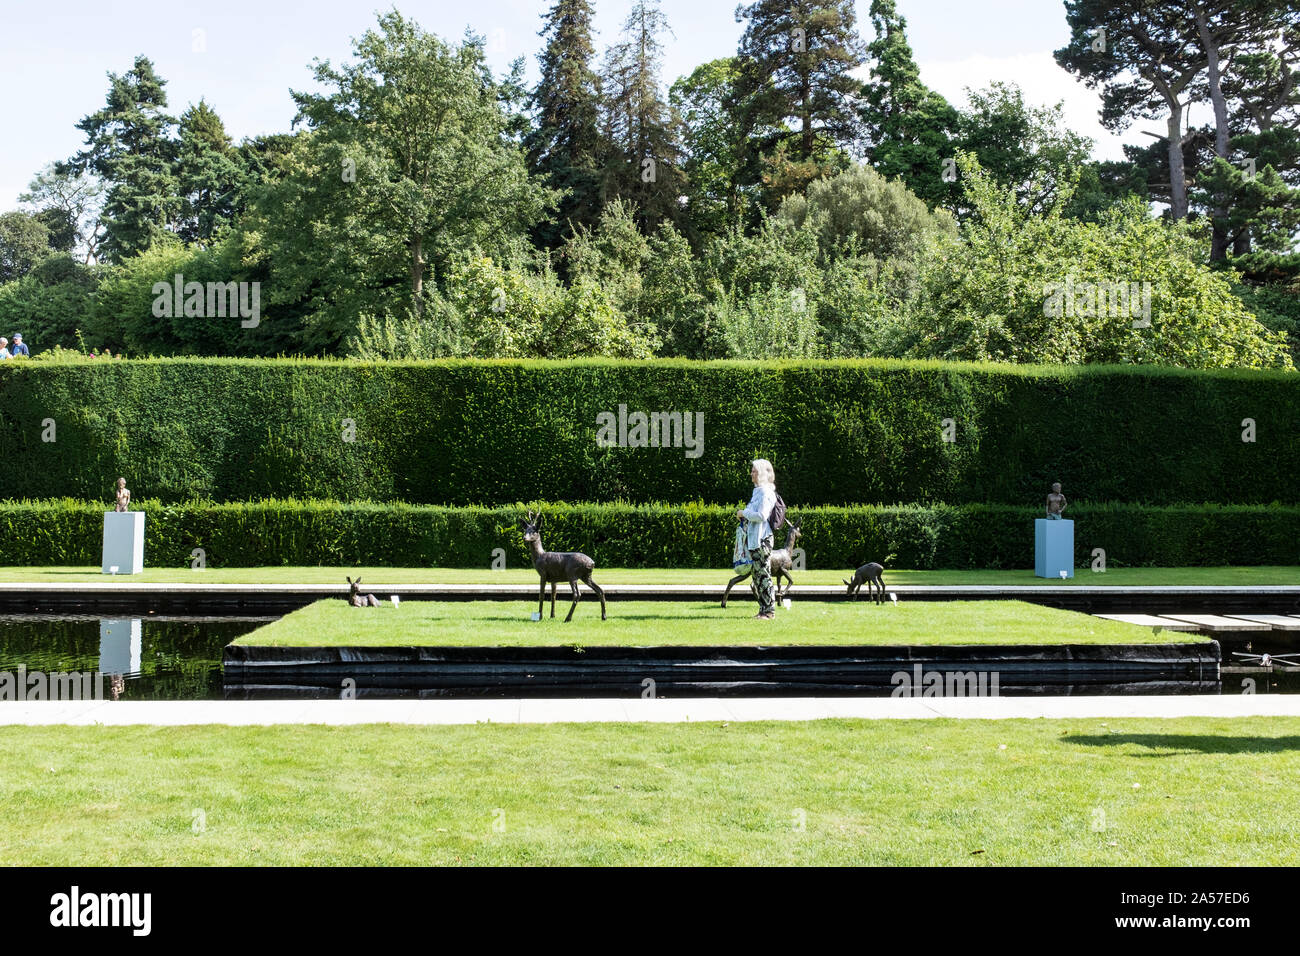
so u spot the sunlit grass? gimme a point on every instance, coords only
(507, 623)
(942, 792)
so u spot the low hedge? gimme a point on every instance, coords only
(66, 532)
(495, 432)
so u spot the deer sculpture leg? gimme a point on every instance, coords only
(541, 599)
(573, 585)
(736, 580)
(600, 593)
(788, 581)
(553, 584)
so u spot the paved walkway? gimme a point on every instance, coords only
(545, 711)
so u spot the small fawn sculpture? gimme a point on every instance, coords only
(872, 574)
(556, 566)
(780, 564)
(357, 599)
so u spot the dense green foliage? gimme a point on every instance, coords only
(393, 179)
(427, 208)
(270, 533)
(462, 432)
(24, 241)
(49, 303)
(1027, 288)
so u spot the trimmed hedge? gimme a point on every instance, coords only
(491, 432)
(624, 535)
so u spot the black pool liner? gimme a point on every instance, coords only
(964, 670)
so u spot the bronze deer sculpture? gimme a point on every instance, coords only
(873, 575)
(781, 563)
(357, 599)
(556, 566)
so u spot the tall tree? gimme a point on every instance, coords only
(409, 161)
(1224, 29)
(1146, 60)
(645, 160)
(210, 175)
(68, 203)
(716, 145)
(797, 58)
(128, 146)
(564, 144)
(909, 128)
(1262, 87)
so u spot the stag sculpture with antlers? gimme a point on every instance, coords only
(557, 566)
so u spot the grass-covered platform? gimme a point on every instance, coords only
(1117, 792)
(632, 623)
(492, 648)
(376, 577)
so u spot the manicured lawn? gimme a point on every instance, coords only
(506, 623)
(1063, 792)
(377, 577)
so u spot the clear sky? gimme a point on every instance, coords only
(244, 56)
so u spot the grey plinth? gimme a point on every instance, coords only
(123, 542)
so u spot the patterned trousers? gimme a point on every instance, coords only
(761, 558)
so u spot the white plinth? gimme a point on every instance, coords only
(123, 542)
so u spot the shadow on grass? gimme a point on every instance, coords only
(1181, 744)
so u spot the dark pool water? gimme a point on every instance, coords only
(156, 657)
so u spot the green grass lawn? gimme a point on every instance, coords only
(377, 577)
(942, 792)
(507, 623)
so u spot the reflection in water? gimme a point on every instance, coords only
(120, 646)
(150, 658)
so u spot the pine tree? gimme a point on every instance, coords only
(1146, 61)
(797, 92)
(565, 142)
(645, 161)
(1262, 86)
(209, 173)
(909, 128)
(128, 147)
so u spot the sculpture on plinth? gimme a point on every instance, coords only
(122, 498)
(123, 551)
(1056, 502)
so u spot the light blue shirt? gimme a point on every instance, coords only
(760, 506)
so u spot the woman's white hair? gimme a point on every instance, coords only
(766, 473)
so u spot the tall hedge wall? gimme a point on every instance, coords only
(654, 535)
(487, 432)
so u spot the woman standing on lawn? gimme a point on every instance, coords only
(759, 539)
